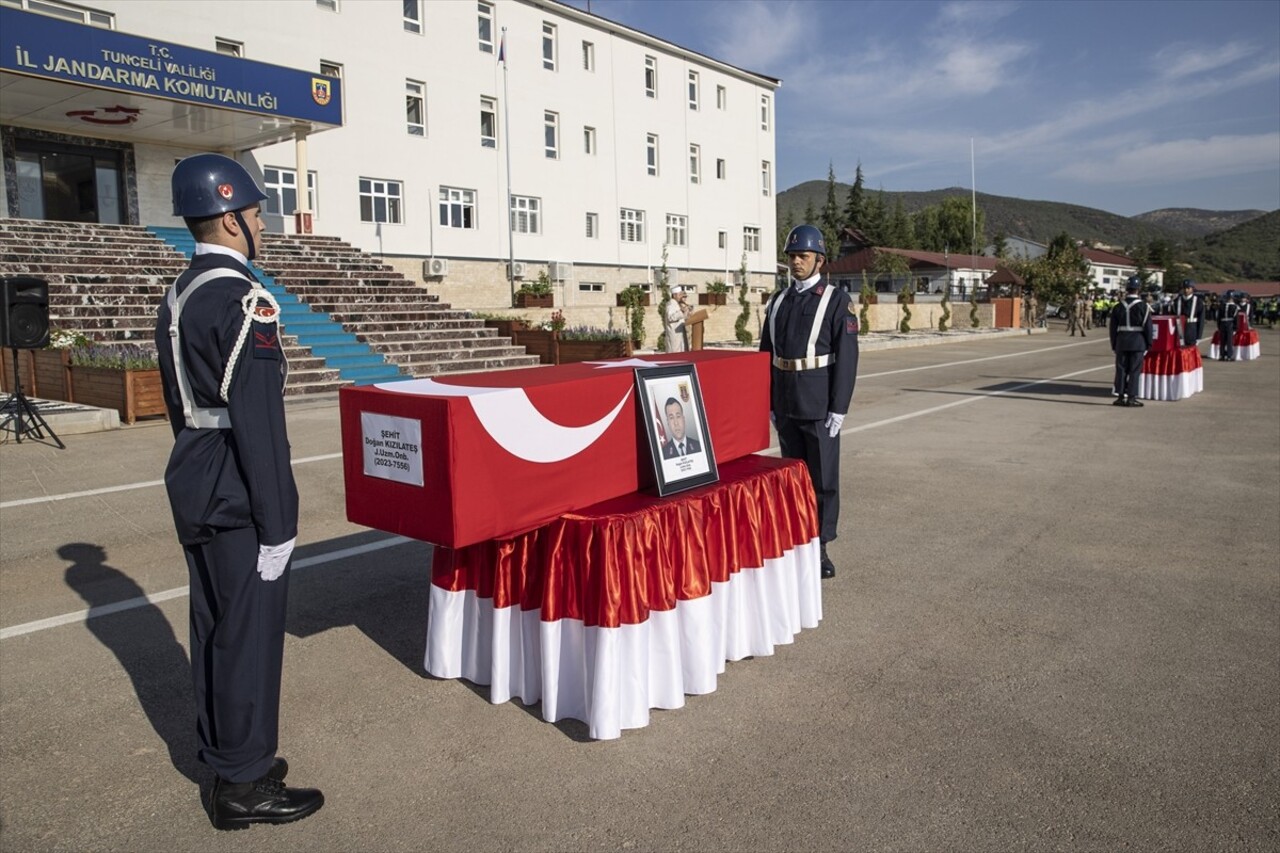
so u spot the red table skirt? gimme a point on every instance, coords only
(1171, 375)
(1246, 343)
(632, 603)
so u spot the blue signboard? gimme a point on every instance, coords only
(40, 46)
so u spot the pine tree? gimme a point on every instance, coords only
(855, 204)
(900, 233)
(876, 223)
(831, 216)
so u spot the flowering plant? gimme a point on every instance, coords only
(67, 339)
(591, 333)
(556, 323)
(117, 357)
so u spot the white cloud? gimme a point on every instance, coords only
(965, 13)
(1176, 61)
(757, 35)
(1180, 160)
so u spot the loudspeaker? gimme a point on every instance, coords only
(24, 312)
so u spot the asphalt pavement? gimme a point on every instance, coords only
(1055, 626)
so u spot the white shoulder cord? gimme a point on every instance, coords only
(250, 304)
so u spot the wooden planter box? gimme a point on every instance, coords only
(45, 373)
(506, 328)
(529, 300)
(568, 352)
(644, 300)
(133, 393)
(539, 342)
(713, 299)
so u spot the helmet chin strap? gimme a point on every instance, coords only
(248, 235)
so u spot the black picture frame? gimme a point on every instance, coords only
(656, 389)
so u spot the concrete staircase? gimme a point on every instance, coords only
(107, 281)
(380, 308)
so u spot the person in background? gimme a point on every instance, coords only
(1227, 315)
(674, 322)
(1190, 308)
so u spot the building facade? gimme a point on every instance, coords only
(614, 145)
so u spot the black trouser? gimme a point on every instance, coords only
(811, 441)
(1128, 372)
(1226, 339)
(237, 648)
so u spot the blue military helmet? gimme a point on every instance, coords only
(1133, 285)
(212, 184)
(1188, 284)
(806, 238)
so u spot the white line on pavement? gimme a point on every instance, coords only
(178, 592)
(106, 490)
(975, 360)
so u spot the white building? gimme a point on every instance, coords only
(619, 142)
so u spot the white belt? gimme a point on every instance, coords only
(809, 363)
(1128, 328)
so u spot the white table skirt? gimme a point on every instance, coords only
(1171, 386)
(610, 677)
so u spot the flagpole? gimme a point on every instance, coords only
(506, 122)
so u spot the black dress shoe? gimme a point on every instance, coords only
(828, 567)
(1119, 401)
(279, 769)
(1136, 403)
(267, 800)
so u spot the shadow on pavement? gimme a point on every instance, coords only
(1098, 393)
(143, 641)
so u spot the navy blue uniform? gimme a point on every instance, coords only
(1191, 310)
(231, 490)
(800, 399)
(1131, 336)
(1227, 331)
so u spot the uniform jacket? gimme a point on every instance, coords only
(1192, 308)
(811, 394)
(238, 477)
(1227, 315)
(691, 445)
(1132, 313)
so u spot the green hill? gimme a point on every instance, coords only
(1193, 222)
(1250, 251)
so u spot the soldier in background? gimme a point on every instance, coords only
(1078, 315)
(1131, 335)
(1227, 327)
(1190, 308)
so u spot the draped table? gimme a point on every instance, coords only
(1171, 374)
(634, 602)
(1246, 342)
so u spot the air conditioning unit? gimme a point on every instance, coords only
(517, 269)
(561, 271)
(435, 268)
(739, 279)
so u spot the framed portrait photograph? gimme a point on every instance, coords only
(675, 422)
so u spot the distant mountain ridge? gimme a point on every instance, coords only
(1249, 251)
(1039, 220)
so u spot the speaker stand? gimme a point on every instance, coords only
(20, 417)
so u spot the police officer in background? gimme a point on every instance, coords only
(1227, 315)
(1190, 308)
(231, 489)
(814, 343)
(1131, 335)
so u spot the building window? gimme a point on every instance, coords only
(65, 11)
(1110, 272)
(457, 208)
(720, 169)
(591, 287)
(651, 152)
(485, 21)
(380, 201)
(488, 123)
(413, 16)
(549, 46)
(677, 228)
(588, 56)
(722, 97)
(764, 112)
(651, 76)
(228, 47)
(415, 107)
(693, 90)
(593, 225)
(630, 225)
(331, 69)
(526, 213)
(722, 239)
(282, 190)
(589, 140)
(551, 134)
(328, 5)
(750, 238)
(695, 164)
(766, 177)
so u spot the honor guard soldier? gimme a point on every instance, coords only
(1190, 308)
(1131, 335)
(814, 343)
(231, 489)
(1227, 315)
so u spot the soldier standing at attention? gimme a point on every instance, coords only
(1079, 315)
(1190, 308)
(231, 489)
(1131, 336)
(814, 343)
(1227, 327)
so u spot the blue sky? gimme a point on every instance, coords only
(1128, 105)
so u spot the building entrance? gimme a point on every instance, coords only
(69, 182)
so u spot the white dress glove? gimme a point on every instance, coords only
(272, 559)
(833, 424)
